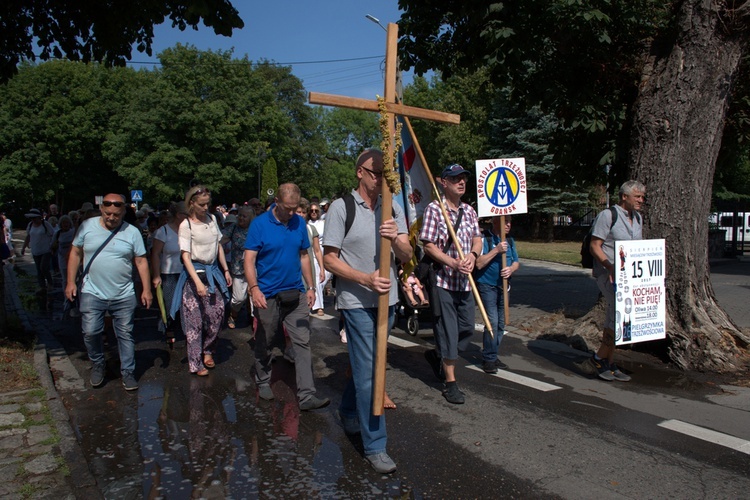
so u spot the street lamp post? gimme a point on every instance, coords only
(399, 81)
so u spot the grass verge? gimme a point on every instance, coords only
(563, 252)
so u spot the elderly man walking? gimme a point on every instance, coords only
(352, 255)
(108, 247)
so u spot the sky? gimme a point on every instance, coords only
(302, 34)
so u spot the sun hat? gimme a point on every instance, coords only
(33, 213)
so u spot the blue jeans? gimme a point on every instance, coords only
(92, 323)
(361, 336)
(492, 298)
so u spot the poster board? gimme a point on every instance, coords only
(501, 187)
(640, 295)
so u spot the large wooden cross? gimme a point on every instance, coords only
(393, 109)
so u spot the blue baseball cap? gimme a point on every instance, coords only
(454, 170)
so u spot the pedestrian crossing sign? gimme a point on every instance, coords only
(136, 195)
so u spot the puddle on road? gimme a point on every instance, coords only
(209, 437)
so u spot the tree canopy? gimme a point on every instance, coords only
(99, 31)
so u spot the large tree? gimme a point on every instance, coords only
(204, 116)
(98, 31)
(642, 84)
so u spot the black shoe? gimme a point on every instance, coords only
(435, 363)
(500, 364)
(489, 367)
(453, 394)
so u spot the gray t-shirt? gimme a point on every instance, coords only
(621, 231)
(360, 249)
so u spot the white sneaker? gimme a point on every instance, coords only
(342, 334)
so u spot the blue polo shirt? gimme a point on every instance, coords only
(278, 261)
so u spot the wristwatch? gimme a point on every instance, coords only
(310, 288)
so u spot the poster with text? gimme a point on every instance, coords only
(501, 187)
(640, 310)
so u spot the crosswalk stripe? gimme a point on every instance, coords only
(741, 445)
(401, 342)
(519, 379)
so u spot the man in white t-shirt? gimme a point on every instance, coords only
(108, 285)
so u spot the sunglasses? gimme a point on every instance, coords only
(118, 204)
(314, 211)
(200, 192)
(376, 175)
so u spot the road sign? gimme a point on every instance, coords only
(136, 195)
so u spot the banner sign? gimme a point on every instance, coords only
(640, 309)
(501, 187)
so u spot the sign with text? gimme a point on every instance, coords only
(501, 187)
(640, 309)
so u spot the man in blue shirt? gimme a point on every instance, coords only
(275, 262)
(489, 278)
(108, 285)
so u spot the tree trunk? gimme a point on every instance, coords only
(679, 119)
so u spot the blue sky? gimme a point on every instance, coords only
(301, 34)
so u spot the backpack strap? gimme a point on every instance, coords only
(351, 212)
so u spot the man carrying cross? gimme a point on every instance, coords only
(352, 256)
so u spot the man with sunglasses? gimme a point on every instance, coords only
(353, 257)
(456, 321)
(108, 284)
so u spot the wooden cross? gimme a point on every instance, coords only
(393, 109)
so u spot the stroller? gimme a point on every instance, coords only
(411, 313)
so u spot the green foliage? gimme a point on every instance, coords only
(99, 31)
(53, 119)
(576, 60)
(270, 181)
(207, 117)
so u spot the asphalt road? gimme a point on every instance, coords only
(540, 429)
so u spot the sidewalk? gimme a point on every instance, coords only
(39, 454)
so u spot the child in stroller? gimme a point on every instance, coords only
(412, 301)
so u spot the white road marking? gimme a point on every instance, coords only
(401, 342)
(519, 379)
(719, 438)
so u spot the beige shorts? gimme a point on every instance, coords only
(608, 290)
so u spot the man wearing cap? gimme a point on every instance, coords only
(324, 204)
(456, 321)
(108, 285)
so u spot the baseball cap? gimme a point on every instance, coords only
(454, 170)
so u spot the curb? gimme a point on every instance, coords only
(85, 484)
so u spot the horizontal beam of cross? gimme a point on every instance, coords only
(372, 105)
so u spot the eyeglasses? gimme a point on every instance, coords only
(314, 211)
(375, 175)
(118, 204)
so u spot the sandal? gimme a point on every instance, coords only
(208, 361)
(202, 373)
(230, 323)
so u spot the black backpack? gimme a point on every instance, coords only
(587, 260)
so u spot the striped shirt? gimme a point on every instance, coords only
(434, 230)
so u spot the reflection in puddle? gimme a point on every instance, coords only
(208, 437)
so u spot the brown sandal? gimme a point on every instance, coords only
(202, 373)
(208, 361)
